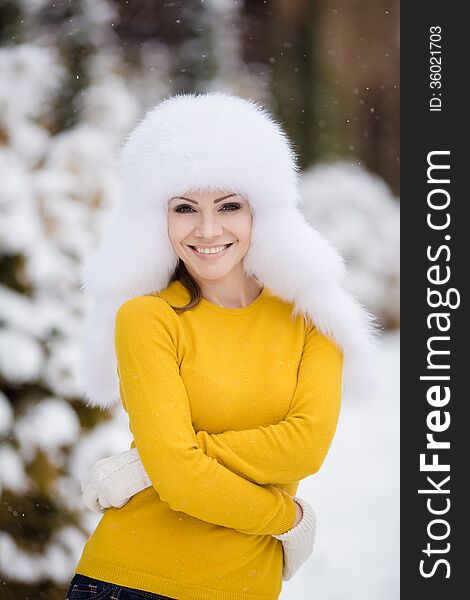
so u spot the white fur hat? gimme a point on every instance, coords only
(206, 142)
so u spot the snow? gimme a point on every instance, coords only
(33, 73)
(15, 344)
(12, 474)
(109, 106)
(22, 566)
(20, 223)
(61, 369)
(357, 213)
(50, 424)
(53, 563)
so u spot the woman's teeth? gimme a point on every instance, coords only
(211, 250)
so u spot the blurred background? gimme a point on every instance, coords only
(75, 76)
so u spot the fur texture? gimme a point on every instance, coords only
(204, 142)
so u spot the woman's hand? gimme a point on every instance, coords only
(114, 480)
(298, 514)
(297, 543)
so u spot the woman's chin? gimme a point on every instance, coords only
(211, 273)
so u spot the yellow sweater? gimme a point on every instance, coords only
(229, 408)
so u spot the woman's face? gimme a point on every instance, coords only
(206, 220)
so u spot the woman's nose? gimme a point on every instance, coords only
(208, 226)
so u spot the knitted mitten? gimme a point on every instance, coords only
(114, 480)
(297, 543)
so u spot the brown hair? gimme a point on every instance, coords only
(182, 275)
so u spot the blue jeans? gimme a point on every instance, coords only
(85, 588)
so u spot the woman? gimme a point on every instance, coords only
(229, 326)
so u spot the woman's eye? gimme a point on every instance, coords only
(234, 205)
(179, 209)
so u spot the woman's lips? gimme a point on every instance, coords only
(211, 257)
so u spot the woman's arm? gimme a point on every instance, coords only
(311, 420)
(296, 447)
(155, 398)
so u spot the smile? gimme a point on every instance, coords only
(211, 253)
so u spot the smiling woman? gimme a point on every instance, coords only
(220, 323)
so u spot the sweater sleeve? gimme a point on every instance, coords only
(295, 448)
(155, 398)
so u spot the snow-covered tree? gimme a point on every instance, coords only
(55, 188)
(357, 212)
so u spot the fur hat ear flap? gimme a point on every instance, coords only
(289, 255)
(135, 256)
(97, 366)
(282, 239)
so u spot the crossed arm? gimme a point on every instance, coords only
(296, 447)
(217, 477)
(155, 398)
(288, 451)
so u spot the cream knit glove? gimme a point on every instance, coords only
(114, 480)
(297, 543)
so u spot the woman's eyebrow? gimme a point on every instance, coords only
(195, 202)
